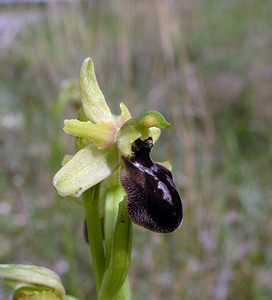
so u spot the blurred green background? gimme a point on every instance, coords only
(207, 66)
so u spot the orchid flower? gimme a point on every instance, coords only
(103, 137)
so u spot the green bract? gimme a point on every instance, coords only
(33, 283)
(101, 137)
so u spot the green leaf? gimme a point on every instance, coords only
(93, 101)
(114, 195)
(35, 278)
(120, 256)
(94, 229)
(88, 167)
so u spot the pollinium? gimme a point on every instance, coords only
(152, 198)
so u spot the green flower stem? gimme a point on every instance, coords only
(124, 293)
(91, 203)
(120, 255)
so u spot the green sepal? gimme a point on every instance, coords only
(93, 101)
(88, 167)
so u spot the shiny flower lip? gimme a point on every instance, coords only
(152, 198)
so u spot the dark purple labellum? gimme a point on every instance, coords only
(152, 198)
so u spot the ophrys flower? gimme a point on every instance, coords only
(103, 141)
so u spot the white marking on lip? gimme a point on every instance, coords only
(165, 191)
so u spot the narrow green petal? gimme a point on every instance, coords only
(125, 115)
(103, 134)
(93, 101)
(88, 167)
(79, 141)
